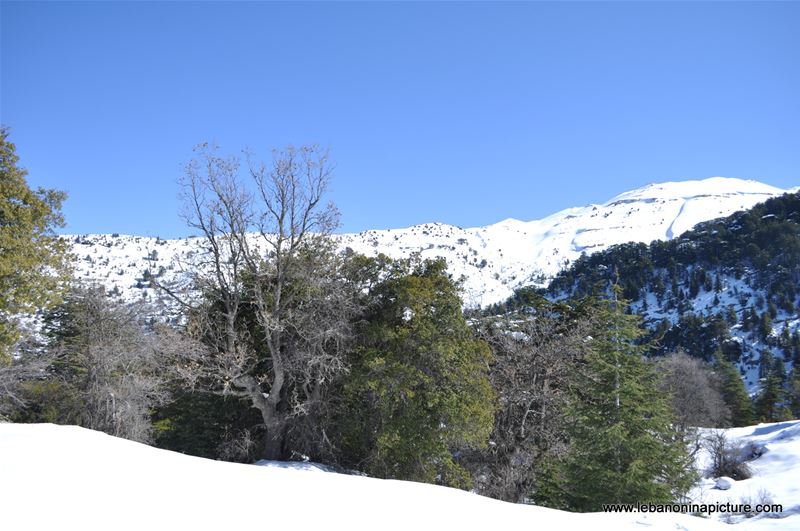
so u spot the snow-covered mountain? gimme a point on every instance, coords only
(494, 260)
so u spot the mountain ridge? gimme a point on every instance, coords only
(494, 260)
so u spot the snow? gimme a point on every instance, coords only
(775, 476)
(494, 260)
(713, 186)
(65, 477)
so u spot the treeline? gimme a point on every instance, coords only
(296, 351)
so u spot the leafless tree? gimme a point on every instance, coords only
(12, 377)
(276, 309)
(101, 367)
(728, 458)
(694, 392)
(535, 356)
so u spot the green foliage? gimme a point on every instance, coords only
(623, 447)
(51, 400)
(770, 402)
(696, 335)
(794, 391)
(419, 387)
(733, 391)
(200, 423)
(33, 260)
(759, 247)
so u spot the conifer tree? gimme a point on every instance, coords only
(733, 391)
(419, 388)
(623, 447)
(33, 260)
(770, 401)
(794, 392)
(765, 325)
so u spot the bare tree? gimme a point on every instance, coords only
(12, 378)
(534, 357)
(276, 309)
(694, 392)
(101, 367)
(727, 458)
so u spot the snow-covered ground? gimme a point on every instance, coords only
(494, 260)
(70, 478)
(776, 476)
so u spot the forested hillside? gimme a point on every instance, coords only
(728, 286)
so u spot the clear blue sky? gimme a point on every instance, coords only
(465, 113)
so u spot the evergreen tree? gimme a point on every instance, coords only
(765, 325)
(794, 392)
(33, 260)
(623, 447)
(733, 391)
(772, 309)
(205, 425)
(419, 387)
(730, 317)
(770, 401)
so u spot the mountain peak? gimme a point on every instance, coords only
(712, 186)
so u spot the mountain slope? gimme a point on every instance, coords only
(731, 283)
(494, 260)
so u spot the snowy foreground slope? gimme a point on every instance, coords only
(494, 260)
(776, 476)
(64, 477)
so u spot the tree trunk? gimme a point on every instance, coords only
(273, 441)
(274, 422)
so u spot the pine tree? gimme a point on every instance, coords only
(33, 260)
(623, 447)
(733, 391)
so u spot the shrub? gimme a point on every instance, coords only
(727, 458)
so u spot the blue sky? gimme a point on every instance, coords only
(464, 113)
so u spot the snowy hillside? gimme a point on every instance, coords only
(729, 284)
(65, 477)
(494, 259)
(774, 479)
